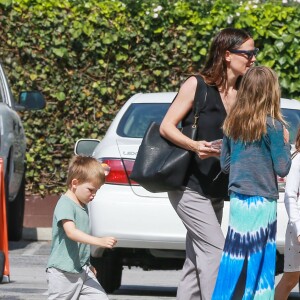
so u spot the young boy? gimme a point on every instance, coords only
(69, 273)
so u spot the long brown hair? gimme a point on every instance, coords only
(258, 96)
(215, 69)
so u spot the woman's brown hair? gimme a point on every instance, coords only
(258, 96)
(215, 69)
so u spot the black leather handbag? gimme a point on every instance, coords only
(161, 166)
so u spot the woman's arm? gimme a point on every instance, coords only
(79, 236)
(177, 111)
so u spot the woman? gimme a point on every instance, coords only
(291, 275)
(231, 54)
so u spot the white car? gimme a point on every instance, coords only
(150, 234)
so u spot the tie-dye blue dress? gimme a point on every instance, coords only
(250, 248)
(247, 269)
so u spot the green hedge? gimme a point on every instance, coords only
(88, 57)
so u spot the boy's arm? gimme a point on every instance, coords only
(81, 237)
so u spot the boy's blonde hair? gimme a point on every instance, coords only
(258, 96)
(85, 169)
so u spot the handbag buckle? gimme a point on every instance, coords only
(195, 121)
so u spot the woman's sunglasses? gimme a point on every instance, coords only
(249, 53)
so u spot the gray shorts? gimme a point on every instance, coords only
(73, 286)
(291, 250)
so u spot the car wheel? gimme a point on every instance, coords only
(2, 264)
(109, 270)
(15, 214)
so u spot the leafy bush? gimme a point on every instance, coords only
(88, 57)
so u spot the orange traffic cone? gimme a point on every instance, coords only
(3, 228)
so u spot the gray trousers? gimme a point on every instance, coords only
(70, 286)
(204, 243)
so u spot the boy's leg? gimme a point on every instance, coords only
(63, 285)
(91, 288)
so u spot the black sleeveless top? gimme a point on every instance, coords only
(201, 173)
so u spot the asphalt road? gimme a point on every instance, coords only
(28, 278)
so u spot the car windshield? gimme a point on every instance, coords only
(139, 116)
(292, 117)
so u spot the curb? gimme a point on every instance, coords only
(37, 234)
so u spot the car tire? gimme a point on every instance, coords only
(109, 271)
(2, 264)
(15, 214)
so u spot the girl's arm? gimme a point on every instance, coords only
(291, 193)
(225, 155)
(280, 149)
(79, 236)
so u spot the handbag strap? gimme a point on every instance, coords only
(201, 94)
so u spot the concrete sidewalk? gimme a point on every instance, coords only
(38, 217)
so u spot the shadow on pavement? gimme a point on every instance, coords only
(138, 290)
(146, 290)
(18, 245)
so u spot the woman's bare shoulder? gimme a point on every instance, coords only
(188, 88)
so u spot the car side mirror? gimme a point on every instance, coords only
(86, 146)
(31, 100)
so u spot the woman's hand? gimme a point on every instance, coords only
(205, 150)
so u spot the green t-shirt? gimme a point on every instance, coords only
(66, 254)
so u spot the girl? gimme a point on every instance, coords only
(255, 148)
(291, 274)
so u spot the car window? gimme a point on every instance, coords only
(292, 116)
(138, 117)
